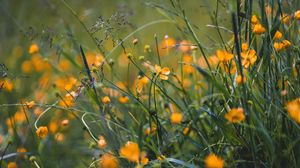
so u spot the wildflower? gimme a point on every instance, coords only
(12, 165)
(254, 20)
(187, 67)
(64, 65)
(240, 79)
(108, 161)
(34, 48)
(26, 66)
(176, 117)
(213, 161)
(245, 47)
(130, 151)
(105, 100)
(20, 116)
(67, 101)
(278, 35)
(248, 58)
(268, 10)
(185, 46)
(235, 115)
(59, 137)
(144, 159)
(65, 122)
(42, 132)
(293, 108)
(286, 44)
(162, 72)
(297, 15)
(30, 104)
(224, 56)
(123, 99)
(165, 45)
(258, 29)
(7, 85)
(101, 142)
(229, 68)
(21, 152)
(285, 18)
(186, 130)
(53, 126)
(278, 46)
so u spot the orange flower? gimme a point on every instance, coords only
(229, 68)
(254, 20)
(297, 15)
(20, 116)
(30, 104)
(235, 115)
(101, 142)
(65, 122)
(123, 99)
(213, 161)
(258, 29)
(108, 161)
(278, 46)
(240, 80)
(67, 101)
(64, 65)
(286, 44)
(53, 126)
(185, 46)
(176, 117)
(105, 100)
(245, 47)
(26, 66)
(21, 152)
(12, 165)
(59, 137)
(7, 85)
(162, 72)
(248, 58)
(224, 56)
(165, 45)
(34, 48)
(278, 35)
(42, 132)
(130, 151)
(285, 18)
(293, 108)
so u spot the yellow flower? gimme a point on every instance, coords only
(130, 151)
(278, 46)
(162, 72)
(245, 47)
(108, 161)
(176, 117)
(34, 48)
(186, 130)
(30, 104)
(101, 142)
(286, 44)
(42, 132)
(297, 15)
(12, 165)
(213, 161)
(21, 152)
(258, 29)
(254, 20)
(235, 115)
(240, 79)
(293, 108)
(285, 18)
(224, 56)
(248, 58)
(123, 99)
(26, 66)
(7, 85)
(105, 100)
(278, 35)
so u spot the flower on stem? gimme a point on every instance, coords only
(108, 161)
(213, 161)
(162, 72)
(42, 132)
(293, 109)
(235, 115)
(248, 58)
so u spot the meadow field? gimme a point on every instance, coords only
(150, 83)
